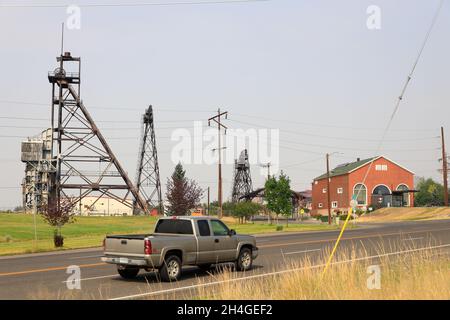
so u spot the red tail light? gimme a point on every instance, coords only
(147, 247)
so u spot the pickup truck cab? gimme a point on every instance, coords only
(179, 241)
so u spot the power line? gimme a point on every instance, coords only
(142, 4)
(121, 108)
(322, 124)
(102, 121)
(328, 137)
(189, 109)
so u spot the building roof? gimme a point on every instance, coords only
(305, 194)
(352, 166)
(346, 168)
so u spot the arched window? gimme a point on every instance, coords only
(381, 190)
(360, 193)
(404, 187)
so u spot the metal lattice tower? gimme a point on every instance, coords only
(147, 178)
(242, 181)
(85, 164)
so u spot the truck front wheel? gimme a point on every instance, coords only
(245, 260)
(127, 272)
(171, 269)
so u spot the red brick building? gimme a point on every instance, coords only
(388, 184)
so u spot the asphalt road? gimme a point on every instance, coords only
(43, 276)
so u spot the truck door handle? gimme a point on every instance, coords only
(216, 240)
(123, 242)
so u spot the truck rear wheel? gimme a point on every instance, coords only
(245, 260)
(127, 272)
(171, 269)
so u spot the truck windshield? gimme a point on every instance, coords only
(174, 226)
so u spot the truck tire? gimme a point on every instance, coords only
(245, 260)
(127, 272)
(171, 269)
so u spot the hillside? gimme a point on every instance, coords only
(405, 214)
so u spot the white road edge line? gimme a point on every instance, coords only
(93, 278)
(411, 239)
(303, 251)
(85, 257)
(271, 273)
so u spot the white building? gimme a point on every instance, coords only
(105, 206)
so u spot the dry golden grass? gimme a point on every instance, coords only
(414, 275)
(406, 214)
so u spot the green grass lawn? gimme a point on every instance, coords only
(17, 231)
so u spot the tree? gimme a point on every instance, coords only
(430, 193)
(245, 209)
(182, 194)
(278, 195)
(57, 215)
(227, 208)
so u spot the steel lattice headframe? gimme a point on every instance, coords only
(85, 164)
(147, 178)
(242, 181)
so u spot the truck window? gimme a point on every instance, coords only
(174, 226)
(219, 228)
(203, 228)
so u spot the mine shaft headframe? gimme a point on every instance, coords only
(77, 141)
(62, 76)
(147, 178)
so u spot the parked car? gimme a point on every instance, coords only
(180, 241)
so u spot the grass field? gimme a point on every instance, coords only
(17, 231)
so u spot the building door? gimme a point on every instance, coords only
(381, 196)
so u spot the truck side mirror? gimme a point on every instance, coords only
(232, 232)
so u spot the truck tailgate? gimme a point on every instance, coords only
(125, 245)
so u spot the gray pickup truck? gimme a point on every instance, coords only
(179, 241)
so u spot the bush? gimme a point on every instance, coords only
(343, 217)
(279, 228)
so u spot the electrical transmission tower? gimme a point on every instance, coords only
(242, 181)
(147, 177)
(84, 162)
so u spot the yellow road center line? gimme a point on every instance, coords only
(49, 269)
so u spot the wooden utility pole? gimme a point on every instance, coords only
(208, 203)
(328, 188)
(444, 168)
(217, 119)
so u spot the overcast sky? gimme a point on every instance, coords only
(311, 69)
